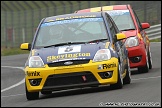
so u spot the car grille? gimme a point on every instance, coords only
(75, 62)
(70, 79)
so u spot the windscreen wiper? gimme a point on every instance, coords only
(65, 43)
(96, 40)
(127, 29)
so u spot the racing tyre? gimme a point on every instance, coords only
(144, 69)
(119, 83)
(127, 79)
(31, 95)
(46, 92)
(149, 59)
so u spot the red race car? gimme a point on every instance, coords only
(137, 41)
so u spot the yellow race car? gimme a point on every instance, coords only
(74, 51)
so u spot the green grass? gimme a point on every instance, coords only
(156, 40)
(12, 51)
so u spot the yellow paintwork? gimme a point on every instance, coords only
(105, 8)
(91, 66)
(24, 46)
(121, 36)
(96, 9)
(139, 35)
(124, 74)
(72, 17)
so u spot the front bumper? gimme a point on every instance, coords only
(137, 56)
(66, 77)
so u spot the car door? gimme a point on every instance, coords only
(141, 31)
(119, 45)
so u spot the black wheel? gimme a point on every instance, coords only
(46, 92)
(31, 95)
(119, 83)
(149, 59)
(144, 69)
(127, 79)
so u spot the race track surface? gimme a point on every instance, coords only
(145, 88)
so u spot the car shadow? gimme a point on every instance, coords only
(76, 91)
(135, 71)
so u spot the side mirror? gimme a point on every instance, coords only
(25, 46)
(145, 25)
(120, 36)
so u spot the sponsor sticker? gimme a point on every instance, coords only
(106, 66)
(118, 12)
(73, 56)
(33, 73)
(69, 49)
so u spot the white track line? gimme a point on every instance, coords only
(22, 81)
(146, 78)
(12, 95)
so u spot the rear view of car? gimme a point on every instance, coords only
(137, 41)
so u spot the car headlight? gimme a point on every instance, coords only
(131, 42)
(101, 55)
(35, 62)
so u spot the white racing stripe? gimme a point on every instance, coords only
(17, 84)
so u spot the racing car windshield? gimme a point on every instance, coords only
(122, 19)
(70, 31)
(66, 43)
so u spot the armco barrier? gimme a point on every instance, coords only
(154, 32)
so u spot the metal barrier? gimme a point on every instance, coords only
(154, 32)
(19, 19)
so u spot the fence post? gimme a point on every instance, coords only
(159, 12)
(79, 5)
(23, 34)
(108, 3)
(5, 29)
(145, 11)
(89, 4)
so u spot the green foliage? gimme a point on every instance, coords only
(156, 40)
(12, 51)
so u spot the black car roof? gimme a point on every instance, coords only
(73, 16)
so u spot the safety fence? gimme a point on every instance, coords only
(154, 32)
(19, 19)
